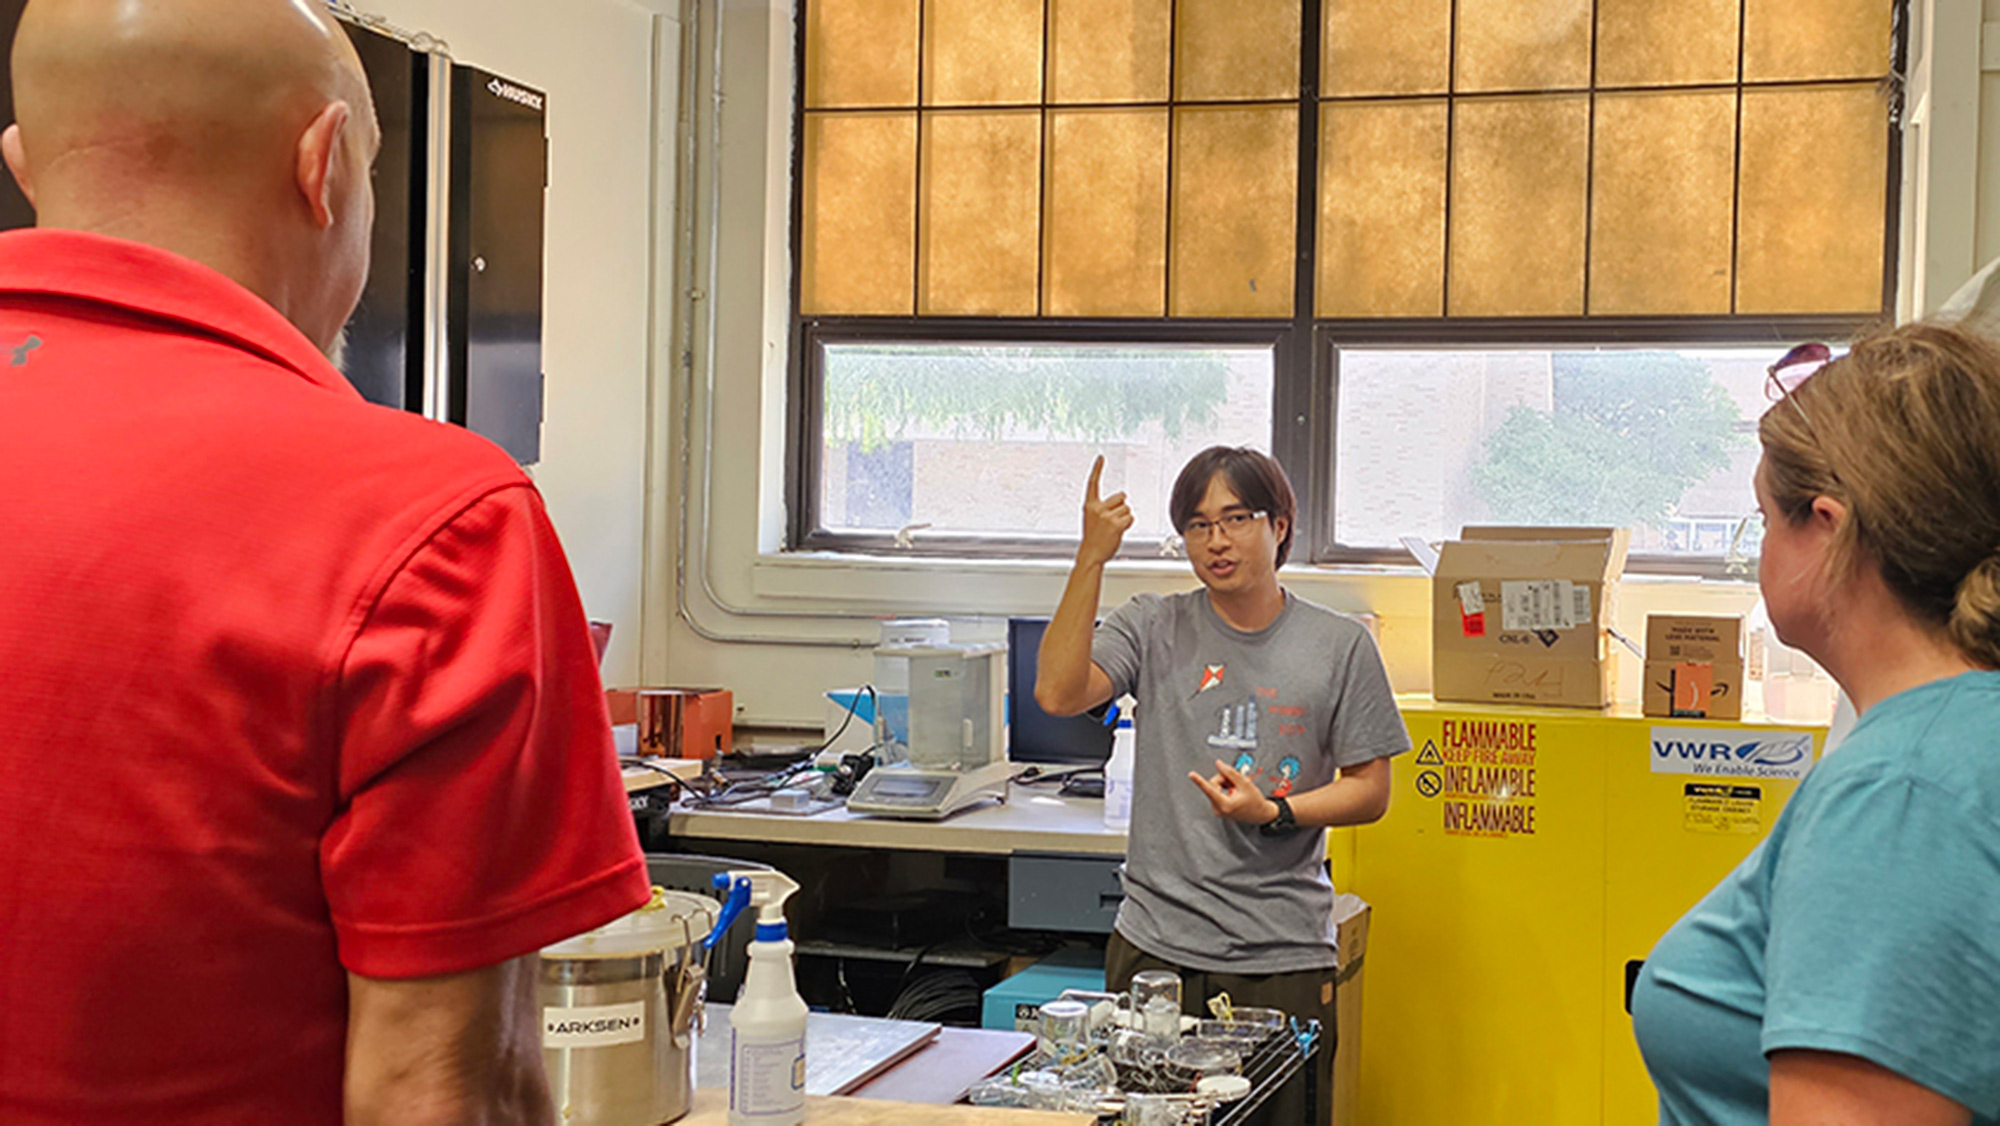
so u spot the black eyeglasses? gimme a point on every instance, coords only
(1232, 525)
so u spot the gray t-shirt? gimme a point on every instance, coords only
(1286, 705)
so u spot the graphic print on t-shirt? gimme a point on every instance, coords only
(1211, 677)
(20, 352)
(1236, 730)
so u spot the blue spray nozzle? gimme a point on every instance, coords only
(1111, 716)
(739, 898)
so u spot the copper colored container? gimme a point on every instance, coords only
(685, 722)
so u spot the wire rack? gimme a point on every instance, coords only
(1282, 1054)
(1270, 1066)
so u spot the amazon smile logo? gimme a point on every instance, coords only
(18, 353)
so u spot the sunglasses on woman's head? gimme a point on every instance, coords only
(1791, 371)
(1794, 368)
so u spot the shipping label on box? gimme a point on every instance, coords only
(1694, 667)
(1553, 589)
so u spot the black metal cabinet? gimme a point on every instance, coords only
(385, 348)
(499, 181)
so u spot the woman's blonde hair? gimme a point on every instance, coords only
(1904, 431)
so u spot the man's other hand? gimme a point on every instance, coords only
(1105, 520)
(1235, 796)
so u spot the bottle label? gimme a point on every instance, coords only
(594, 1026)
(767, 1079)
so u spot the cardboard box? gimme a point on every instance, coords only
(1518, 615)
(1694, 667)
(1350, 921)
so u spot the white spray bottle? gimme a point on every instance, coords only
(767, 1025)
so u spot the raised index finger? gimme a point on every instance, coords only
(1096, 471)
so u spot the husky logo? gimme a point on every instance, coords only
(1720, 751)
(515, 94)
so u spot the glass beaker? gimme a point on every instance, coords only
(1156, 1004)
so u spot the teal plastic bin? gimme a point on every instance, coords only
(1012, 1004)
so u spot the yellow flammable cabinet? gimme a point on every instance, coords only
(1527, 857)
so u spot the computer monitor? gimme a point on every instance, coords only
(1034, 735)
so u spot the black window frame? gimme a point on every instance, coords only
(1306, 375)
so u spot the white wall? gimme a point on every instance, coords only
(594, 58)
(763, 600)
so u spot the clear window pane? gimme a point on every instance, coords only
(998, 439)
(1661, 441)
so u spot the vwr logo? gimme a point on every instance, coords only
(1734, 753)
(515, 94)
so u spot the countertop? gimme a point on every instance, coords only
(1031, 820)
(711, 1108)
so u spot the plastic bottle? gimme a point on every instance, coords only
(767, 1026)
(1118, 777)
(1782, 682)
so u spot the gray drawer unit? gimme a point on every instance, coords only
(1056, 892)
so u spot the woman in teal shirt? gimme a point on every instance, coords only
(1848, 972)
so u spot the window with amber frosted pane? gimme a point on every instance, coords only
(1519, 174)
(1793, 40)
(1106, 242)
(1607, 157)
(980, 229)
(1809, 237)
(858, 236)
(1523, 44)
(1373, 48)
(1650, 43)
(1236, 50)
(1381, 209)
(1468, 158)
(1234, 211)
(860, 53)
(982, 52)
(1661, 203)
(1109, 50)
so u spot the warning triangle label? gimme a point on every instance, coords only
(1429, 755)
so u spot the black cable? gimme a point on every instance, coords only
(875, 705)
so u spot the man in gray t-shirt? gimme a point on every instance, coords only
(1263, 719)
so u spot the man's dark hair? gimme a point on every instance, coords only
(1255, 478)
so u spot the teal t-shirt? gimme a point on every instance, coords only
(1867, 923)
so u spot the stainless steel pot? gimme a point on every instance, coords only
(620, 1006)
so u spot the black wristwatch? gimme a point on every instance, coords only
(1283, 823)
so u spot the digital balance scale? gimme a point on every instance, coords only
(942, 704)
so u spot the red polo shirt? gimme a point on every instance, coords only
(290, 685)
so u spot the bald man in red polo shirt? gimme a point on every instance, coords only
(303, 754)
